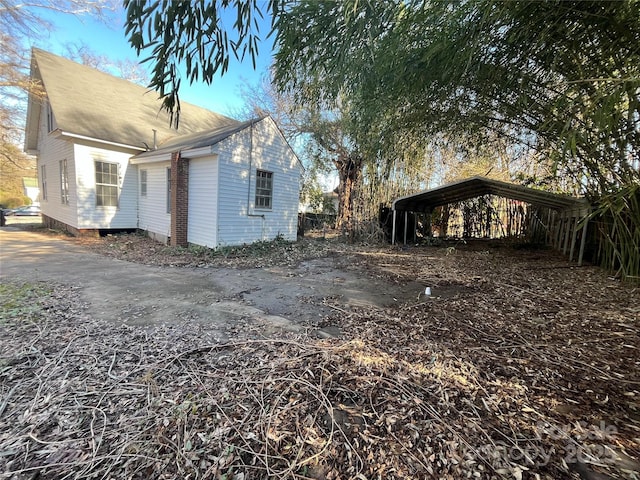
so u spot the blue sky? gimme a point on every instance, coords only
(222, 96)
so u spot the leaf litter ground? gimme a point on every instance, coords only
(517, 366)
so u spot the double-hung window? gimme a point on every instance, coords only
(264, 190)
(106, 184)
(143, 183)
(43, 181)
(64, 182)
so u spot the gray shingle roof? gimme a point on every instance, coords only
(197, 140)
(94, 104)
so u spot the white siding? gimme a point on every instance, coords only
(203, 205)
(81, 211)
(50, 152)
(152, 208)
(90, 215)
(237, 186)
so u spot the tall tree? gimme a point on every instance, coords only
(562, 77)
(320, 134)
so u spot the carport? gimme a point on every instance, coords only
(566, 215)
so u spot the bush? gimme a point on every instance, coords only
(14, 201)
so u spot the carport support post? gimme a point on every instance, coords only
(583, 240)
(415, 228)
(558, 244)
(567, 232)
(406, 220)
(574, 236)
(393, 229)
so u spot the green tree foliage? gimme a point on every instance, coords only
(561, 77)
(196, 33)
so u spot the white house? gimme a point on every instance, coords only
(108, 160)
(31, 189)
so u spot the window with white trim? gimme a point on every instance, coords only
(64, 182)
(106, 184)
(43, 182)
(264, 190)
(50, 120)
(143, 183)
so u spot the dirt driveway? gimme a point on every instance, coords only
(280, 297)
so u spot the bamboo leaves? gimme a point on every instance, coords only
(618, 218)
(194, 33)
(553, 70)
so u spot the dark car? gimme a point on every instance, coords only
(25, 211)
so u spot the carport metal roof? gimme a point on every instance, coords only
(477, 186)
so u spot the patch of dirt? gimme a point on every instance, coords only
(295, 281)
(132, 279)
(518, 366)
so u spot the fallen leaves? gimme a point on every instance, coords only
(141, 249)
(508, 370)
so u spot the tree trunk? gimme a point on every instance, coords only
(349, 173)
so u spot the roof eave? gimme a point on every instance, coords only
(165, 156)
(64, 134)
(34, 108)
(147, 159)
(199, 152)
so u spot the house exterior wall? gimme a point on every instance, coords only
(239, 221)
(219, 193)
(51, 151)
(89, 214)
(152, 208)
(81, 212)
(203, 201)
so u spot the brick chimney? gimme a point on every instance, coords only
(179, 200)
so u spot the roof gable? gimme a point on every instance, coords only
(207, 138)
(89, 103)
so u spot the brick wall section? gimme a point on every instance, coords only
(179, 200)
